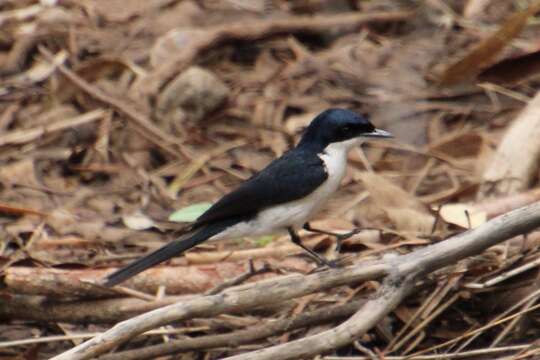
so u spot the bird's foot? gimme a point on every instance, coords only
(342, 237)
(322, 261)
(326, 265)
(333, 264)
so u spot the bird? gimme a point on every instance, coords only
(282, 197)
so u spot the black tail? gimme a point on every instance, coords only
(166, 252)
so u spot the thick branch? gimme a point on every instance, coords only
(109, 311)
(245, 297)
(177, 280)
(388, 297)
(236, 338)
(472, 242)
(412, 265)
(234, 299)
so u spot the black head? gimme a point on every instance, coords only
(337, 126)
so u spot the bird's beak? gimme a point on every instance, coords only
(378, 133)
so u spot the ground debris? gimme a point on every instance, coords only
(113, 114)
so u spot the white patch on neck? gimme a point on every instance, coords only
(334, 158)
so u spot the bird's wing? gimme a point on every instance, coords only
(290, 177)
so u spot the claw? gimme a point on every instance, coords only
(332, 264)
(342, 237)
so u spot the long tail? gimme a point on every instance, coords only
(166, 252)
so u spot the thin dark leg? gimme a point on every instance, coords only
(318, 258)
(339, 237)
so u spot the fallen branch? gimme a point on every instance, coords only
(105, 311)
(101, 311)
(234, 299)
(402, 271)
(388, 297)
(177, 280)
(236, 338)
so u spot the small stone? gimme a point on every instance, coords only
(192, 95)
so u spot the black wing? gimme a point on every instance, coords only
(291, 177)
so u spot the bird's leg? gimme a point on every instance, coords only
(318, 258)
(339, 237)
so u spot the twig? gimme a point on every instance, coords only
(515, 306)
(196, 164)
(436, 221)
(425, 322)
(240, 278)
(393, 291)
(458, 355)
(122, 290)
(47, 339)
(530, 352)
(243, 298)
(21, 49)
(28, 135)
(391, 345)
(479, 330)
(513, 272)
(269, 328)
(468, 216)
(512, 324)
(402, 271)
(143, 125)
(370, 354)
(431, 310)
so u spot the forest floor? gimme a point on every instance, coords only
(115, 114)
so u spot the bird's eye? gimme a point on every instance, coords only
(345, 129)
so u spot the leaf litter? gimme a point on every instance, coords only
(118, 119)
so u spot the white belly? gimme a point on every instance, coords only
(295, 213)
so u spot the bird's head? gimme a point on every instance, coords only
(340, 127)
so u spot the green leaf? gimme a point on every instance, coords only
(189, 213)
(264, 240)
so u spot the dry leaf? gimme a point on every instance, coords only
(12, 210)
(514, 70)
(459, 144)
(406, 212)
(137, 221)
(40, 71)
(466, 216)
(514, 166)
(19, 173)
(486, 51)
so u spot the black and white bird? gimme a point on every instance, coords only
(283, 197)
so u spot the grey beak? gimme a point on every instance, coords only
(378, 133)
